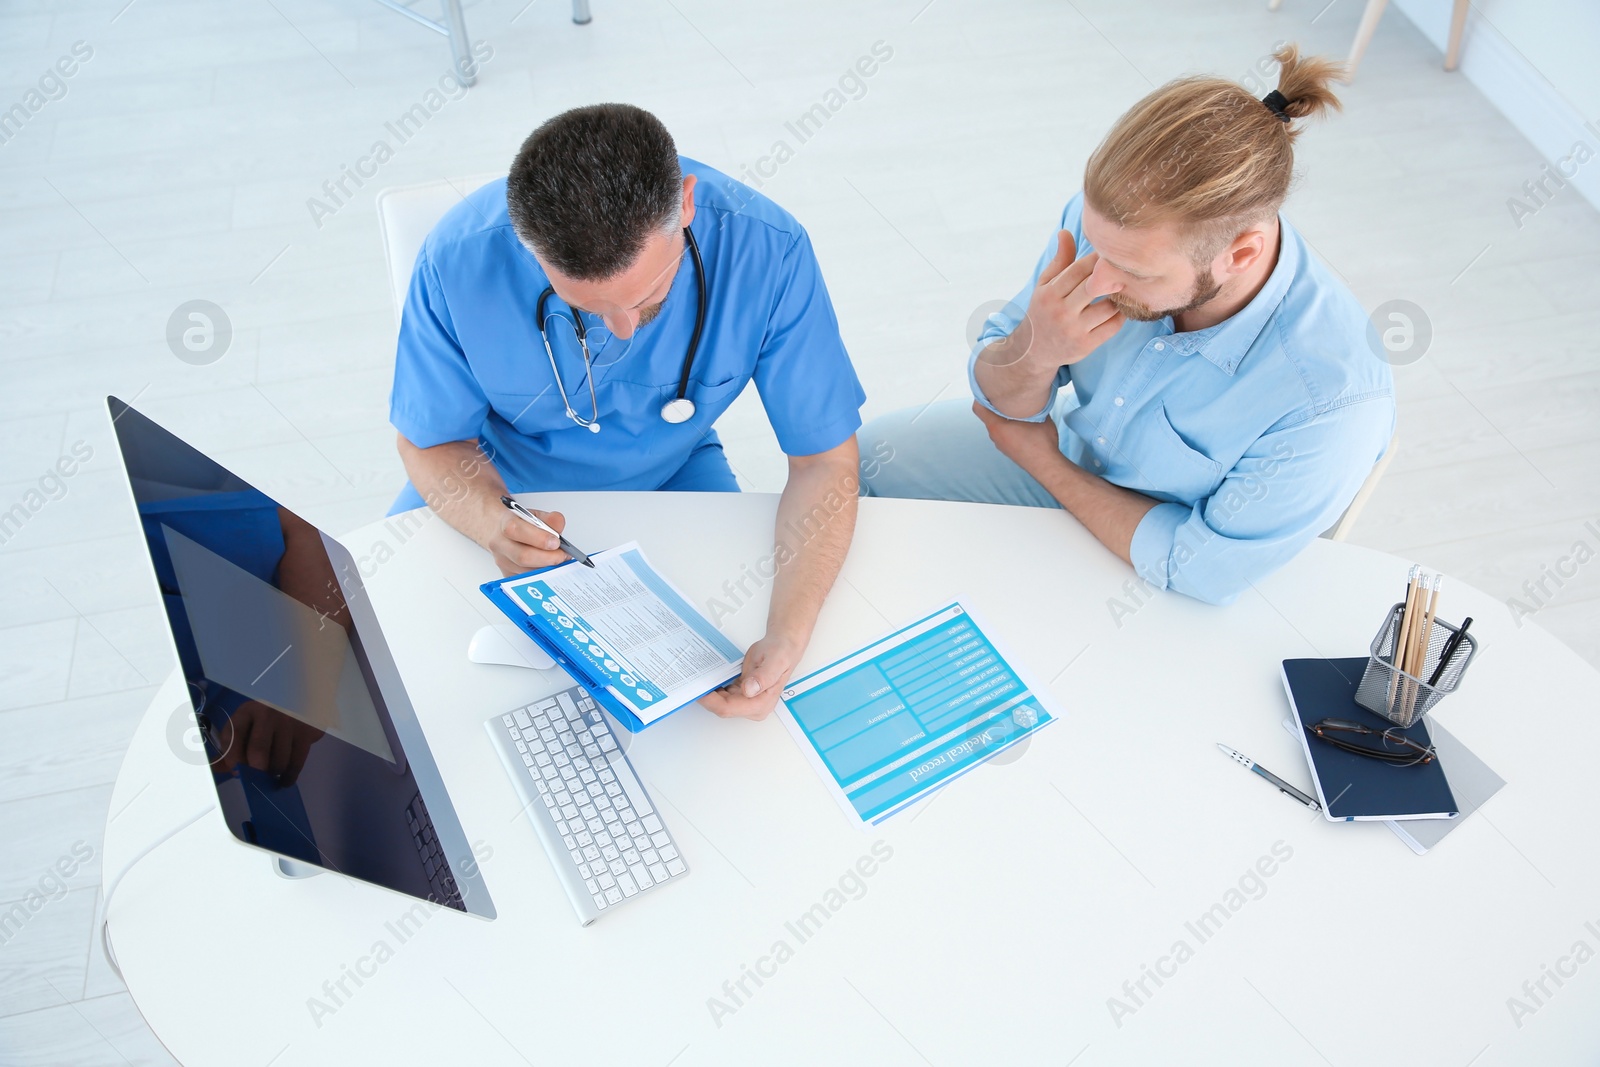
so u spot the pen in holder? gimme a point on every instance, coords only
(1403, 697)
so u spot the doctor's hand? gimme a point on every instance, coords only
(767, 666)
(518, 545)
(1062, 324)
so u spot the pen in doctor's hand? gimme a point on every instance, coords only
(1283, 787)
(566, 546)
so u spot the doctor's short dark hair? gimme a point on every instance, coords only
(590, 185)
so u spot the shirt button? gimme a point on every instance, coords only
(1101, 440)
(1160, 345)
(1118, 401)
(1097, 463)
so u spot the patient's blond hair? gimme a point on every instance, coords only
(1207, 155)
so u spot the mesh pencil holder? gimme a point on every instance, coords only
(1404, 698)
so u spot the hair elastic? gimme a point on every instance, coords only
(1278, 104)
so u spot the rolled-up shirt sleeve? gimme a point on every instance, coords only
(1289, 487)
(1001, 323)
(436, 397)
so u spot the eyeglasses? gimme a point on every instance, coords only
(1391, 745)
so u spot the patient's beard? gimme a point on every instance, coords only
(1205, 289)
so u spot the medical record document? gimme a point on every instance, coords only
(623, 631)
(889, 724)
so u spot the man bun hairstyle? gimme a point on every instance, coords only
(1205, 154)
(591, 184)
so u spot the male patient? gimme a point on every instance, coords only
(1224, 403)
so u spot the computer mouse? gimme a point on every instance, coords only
(503, 643)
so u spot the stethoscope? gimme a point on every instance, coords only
(680, 408)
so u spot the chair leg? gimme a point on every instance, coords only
(460, 49)
(1458, 22)
(1364, 32)
(580, 12)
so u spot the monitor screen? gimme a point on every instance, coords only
(309, 735)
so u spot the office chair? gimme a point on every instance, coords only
(406, 214)
(453, 28)
(1340, 530)
(1369, 25)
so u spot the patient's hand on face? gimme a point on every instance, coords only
(1064, 323)
(260, 736)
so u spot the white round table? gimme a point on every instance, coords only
(1046, 908)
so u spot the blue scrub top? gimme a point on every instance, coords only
(470, 363)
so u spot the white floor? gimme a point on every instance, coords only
(179, 161)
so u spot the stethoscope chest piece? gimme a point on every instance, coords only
(679, 409)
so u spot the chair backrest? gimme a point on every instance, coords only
(406, 215)
(1341, 529)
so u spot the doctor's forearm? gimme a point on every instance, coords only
(816, 520)
(459, 483)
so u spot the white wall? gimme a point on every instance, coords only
(1560, 38)
(1538, 61)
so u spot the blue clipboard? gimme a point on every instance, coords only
(557, 648)
(586, 668)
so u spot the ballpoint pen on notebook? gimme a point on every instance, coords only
(1283, 787)
(566, 546)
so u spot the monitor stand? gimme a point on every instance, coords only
(288, 868)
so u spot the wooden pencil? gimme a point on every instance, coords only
(1406, 615)
(1426, 637)
(1419, 641)
(1408, 664)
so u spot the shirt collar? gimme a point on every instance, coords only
(1226, 343)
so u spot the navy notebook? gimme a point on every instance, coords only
(1352, 786)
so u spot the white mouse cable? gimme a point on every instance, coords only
(105, 908)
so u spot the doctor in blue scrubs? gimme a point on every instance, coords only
(581, 324)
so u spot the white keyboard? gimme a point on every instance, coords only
(590, 810)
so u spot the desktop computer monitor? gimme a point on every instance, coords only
(311, 742)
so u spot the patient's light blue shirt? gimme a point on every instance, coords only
(470, 363)
(1254, 433)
